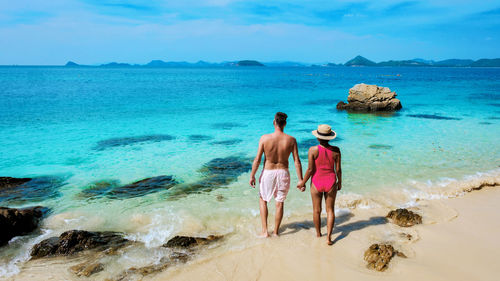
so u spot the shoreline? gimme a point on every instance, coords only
(450, 237)
(451, 244)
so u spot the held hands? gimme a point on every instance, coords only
(301, 186)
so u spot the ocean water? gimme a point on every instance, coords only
(85, 132)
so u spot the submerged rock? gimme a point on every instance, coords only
(188, 241)
(378, 256)
(404, 217)
(8, 182)
(369, 98)
(112, 189)
(74, 241)
(16, 222)
(142, 187)
(22, 191)
(227, 142)
(217, 173)
(227, 125)
(380, 146)
(432, 116)
(199, 138)
(87, 269)
(117, 142)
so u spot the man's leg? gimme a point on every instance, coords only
(263, 217)
(278, 217)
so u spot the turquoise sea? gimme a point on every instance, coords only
(85, 133)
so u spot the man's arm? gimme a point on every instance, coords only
(296, 160)
(339, 172)
(256, 162)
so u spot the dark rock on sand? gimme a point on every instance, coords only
(19, 191)
(378, 256)
(432, 116)
(164, 263)
(8, 182)
(112, 190)
(187, 241)
(117, 142)
(87, 269)
(16, 222)
(370, 98)
(404, 217)
(74, 241)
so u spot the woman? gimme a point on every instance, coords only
(324, 167)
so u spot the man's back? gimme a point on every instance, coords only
(277, 149)
(275, 178)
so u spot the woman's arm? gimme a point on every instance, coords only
(310, 167)
(338, 172)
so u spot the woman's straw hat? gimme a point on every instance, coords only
(324, 132)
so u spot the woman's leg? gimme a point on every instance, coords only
(316, 199)
(330, 211)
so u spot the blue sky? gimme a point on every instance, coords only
(100, 31)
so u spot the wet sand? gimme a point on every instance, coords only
(457, 241)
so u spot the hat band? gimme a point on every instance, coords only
(325, 135)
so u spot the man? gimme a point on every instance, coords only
(275, 178)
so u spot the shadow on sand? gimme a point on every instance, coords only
(340, 225)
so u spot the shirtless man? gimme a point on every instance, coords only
(275, 178)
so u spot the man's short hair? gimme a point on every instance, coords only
(280, 119)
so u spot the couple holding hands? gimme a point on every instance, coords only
(324, 168)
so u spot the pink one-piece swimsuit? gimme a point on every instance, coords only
(324, 176)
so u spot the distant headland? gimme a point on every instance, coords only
(358, 61)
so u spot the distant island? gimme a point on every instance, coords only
(358, 61)
(362, 61)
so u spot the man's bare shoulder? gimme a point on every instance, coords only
(290, 138)
(265, 137)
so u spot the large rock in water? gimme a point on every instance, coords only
(367, 98)
(74, 241)
(404, 217)
(15, 222)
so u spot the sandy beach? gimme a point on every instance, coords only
(457, 241)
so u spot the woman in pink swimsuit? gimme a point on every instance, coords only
(324, 167)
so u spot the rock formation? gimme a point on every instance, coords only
(74, 241)
(404, 217)
(8, 182)
(188, 241)
(15, 222)
(378, 256)
(87, 269)
(370, 98)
